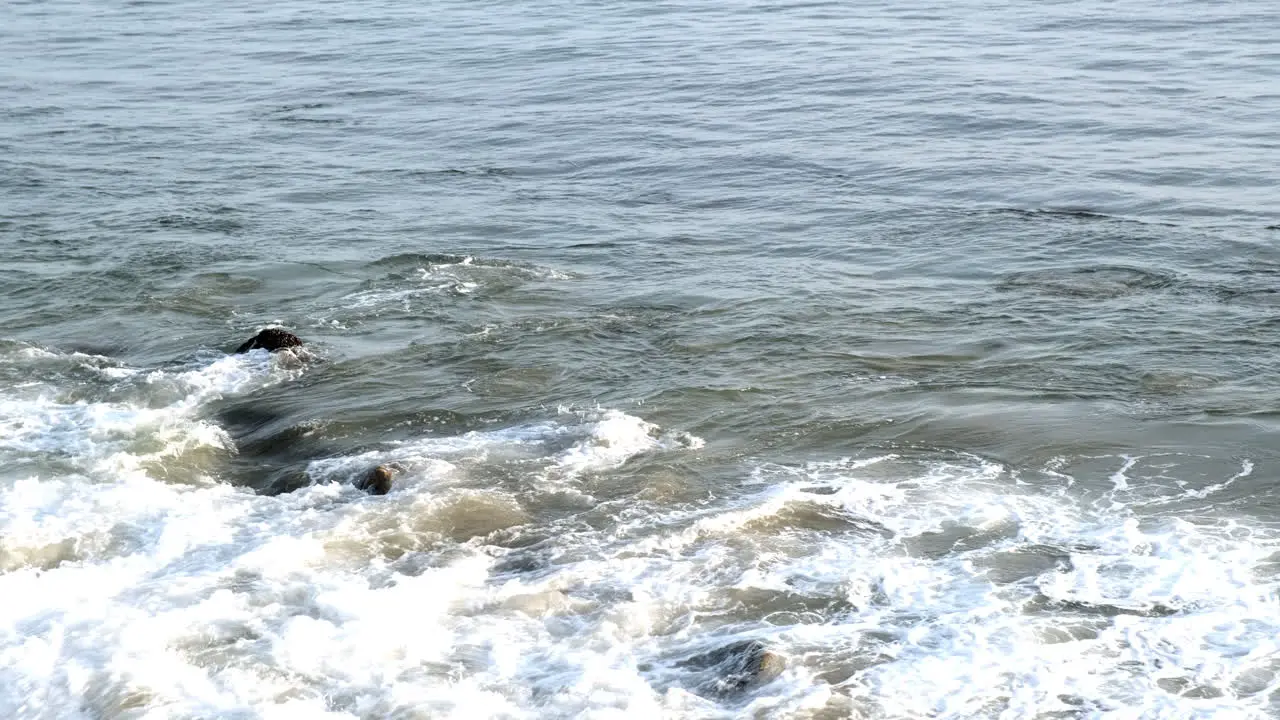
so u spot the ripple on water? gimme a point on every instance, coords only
(784, 217)
(1099, 282)
(413, 283)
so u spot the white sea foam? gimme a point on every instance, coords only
(579, 442)
(130, 595)
(152, 416)
(895, 586)
(465, 277)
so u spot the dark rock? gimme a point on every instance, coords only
(271, 340)
(737, 667)
(377, 482)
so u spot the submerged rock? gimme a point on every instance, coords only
(377, 482)
(271, 340)
(737, 667)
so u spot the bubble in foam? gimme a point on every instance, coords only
(874, 577)
(593, 441)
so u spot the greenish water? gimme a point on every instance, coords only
(934, 348)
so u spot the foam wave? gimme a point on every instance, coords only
(593, 440)
(893, 584)
(129, 425)
(897, 586)
(214, 601)
(415, 279)
(987, 599)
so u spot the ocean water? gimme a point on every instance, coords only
(933, 347)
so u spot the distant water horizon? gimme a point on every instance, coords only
(794, 360)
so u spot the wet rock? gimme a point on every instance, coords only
(737, 667)
(271, 340)
(377, 482)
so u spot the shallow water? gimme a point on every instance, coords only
(934, 348)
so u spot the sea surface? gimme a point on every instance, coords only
(917, 360)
